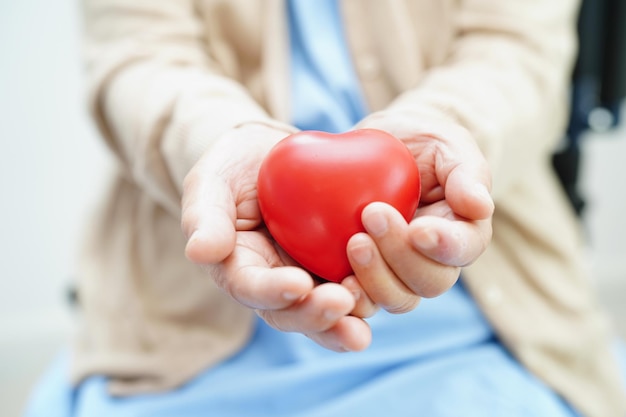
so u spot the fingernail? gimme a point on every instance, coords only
(192, 236)
(375, 224)
(483, 193)
(362, 255)
(426, 240)
(198, 235)
(290, 296)
(331, 315)
(191, 242)
(356, 294)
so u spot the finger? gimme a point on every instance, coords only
(451, 242)
(377, 279)
(318, 311)
(461, 173)
(208, 217)
(267, 288)
(365, 306)
(467, 191)
(423, 275)
(455, 167)
(349, 334)
(219, 193)
(254, 276)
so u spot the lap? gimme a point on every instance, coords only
(484, 381)
(439, 361)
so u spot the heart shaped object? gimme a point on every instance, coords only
(312, 187)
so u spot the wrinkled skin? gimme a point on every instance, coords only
(395, 263)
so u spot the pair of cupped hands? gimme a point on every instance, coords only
(395, 264)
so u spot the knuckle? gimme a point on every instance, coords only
(407, 303)
(242, 287)
(217, 274)
(270, 317)
(365, 311)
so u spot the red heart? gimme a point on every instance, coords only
(312, 187)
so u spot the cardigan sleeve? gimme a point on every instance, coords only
(505, 78)
(157, 96)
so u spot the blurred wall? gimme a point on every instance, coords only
(50, 168)
(50, 156)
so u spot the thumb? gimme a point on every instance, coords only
(467, 192)
(208, 217)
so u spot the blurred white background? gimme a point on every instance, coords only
(50, 170)
(51, 166)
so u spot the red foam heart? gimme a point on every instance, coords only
(312, 187)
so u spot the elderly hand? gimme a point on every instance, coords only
(397, 263)
(222, 222)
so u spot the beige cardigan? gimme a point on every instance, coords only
(167, 78)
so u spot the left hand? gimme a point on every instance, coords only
(223, 225)
(395, 263)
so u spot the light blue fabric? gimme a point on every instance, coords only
(441, 360)
(325, 91)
